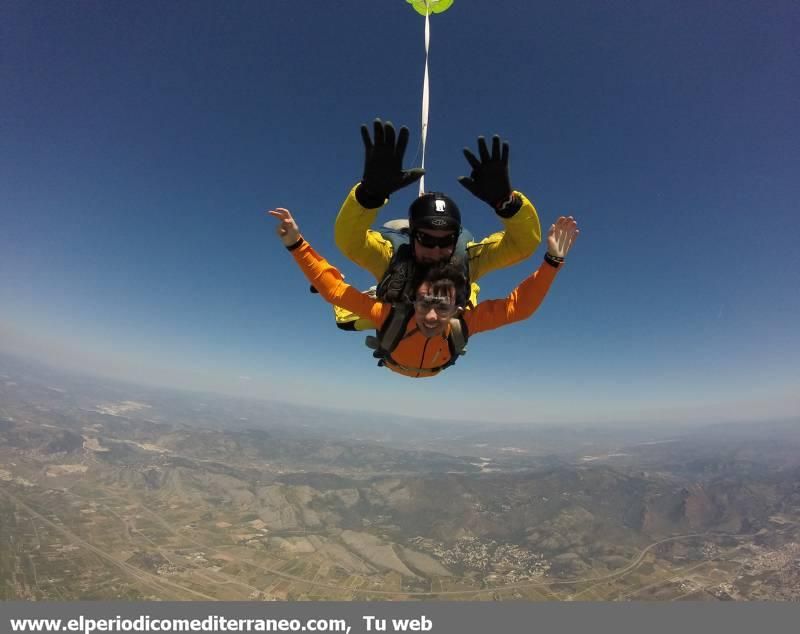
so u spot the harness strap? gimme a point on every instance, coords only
(421, 372)
(392, 332)
(456, 340)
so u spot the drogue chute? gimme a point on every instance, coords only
(426, 7)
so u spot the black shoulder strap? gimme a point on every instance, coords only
(457, 340)
(392, 332)
(395, 285)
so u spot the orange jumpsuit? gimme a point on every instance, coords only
(417, 355)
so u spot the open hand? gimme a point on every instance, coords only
(489, 180)
(383, 162)
(287, 228)
(562, 236)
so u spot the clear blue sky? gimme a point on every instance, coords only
(142, 142)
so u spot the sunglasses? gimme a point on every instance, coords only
(429, 242)
(441, 305)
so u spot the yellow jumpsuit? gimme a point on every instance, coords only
(370, 250)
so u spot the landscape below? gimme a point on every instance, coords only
(121, 492)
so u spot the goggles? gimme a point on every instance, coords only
(429, 242)
(441, 305)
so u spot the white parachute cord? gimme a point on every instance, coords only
(425, 97)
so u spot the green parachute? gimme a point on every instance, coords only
(426, 7)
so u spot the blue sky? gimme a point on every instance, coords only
(142, 142)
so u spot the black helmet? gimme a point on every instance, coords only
(434, 211)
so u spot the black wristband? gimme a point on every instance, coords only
(367, 199)
(509, 207)
(553, 260)
(292, 247)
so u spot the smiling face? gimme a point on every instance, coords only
(434, 306)
(440, 245)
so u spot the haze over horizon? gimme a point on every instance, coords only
(142, 145)
(61, 374)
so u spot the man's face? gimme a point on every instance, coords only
(440, 245)
(433, 310)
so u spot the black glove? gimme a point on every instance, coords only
(489, 180)
(383, 165)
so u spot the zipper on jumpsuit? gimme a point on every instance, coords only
(422, 360)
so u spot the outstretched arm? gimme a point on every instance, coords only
(325, 277)
(383, 175)
(523, 301)
(520, 238)
(352, 233)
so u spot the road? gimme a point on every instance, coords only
(156, 581)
